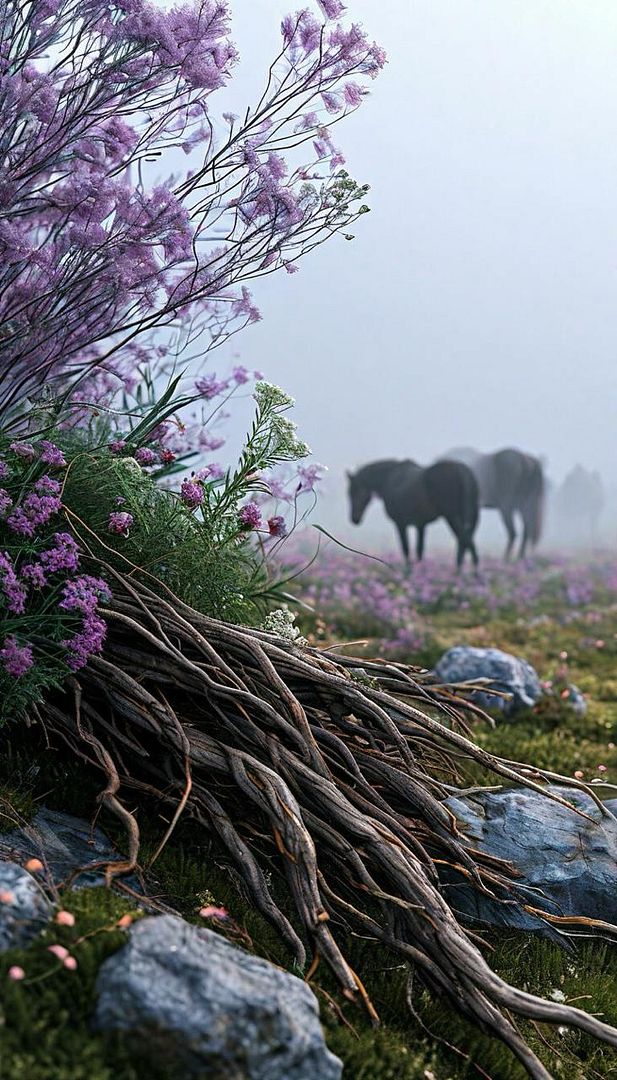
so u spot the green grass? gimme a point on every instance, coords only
(45, 1032)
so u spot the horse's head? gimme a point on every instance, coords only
(360, 495)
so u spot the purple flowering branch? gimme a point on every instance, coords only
(92, 257)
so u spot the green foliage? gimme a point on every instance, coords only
(207, 563)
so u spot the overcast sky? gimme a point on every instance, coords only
(477, 305)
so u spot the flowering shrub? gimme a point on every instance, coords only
(49, 606)
(96, 250)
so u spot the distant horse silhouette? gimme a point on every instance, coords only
(413, 495)
(509, 481)
(579, 503)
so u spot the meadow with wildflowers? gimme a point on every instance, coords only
(356, 595)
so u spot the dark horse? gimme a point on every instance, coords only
(509, 481)
(416, 496)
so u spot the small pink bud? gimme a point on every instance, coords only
(70, 962)
(65, 918)
(124, 922)
(59, 951)
(16, 973)
(211, 912)
(599, 644)
(579, 774)
(34, 866)
(6, 897)
(602, 768)
(563, 655)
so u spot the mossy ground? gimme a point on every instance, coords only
(44, 1025)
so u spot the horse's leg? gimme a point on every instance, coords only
(419, 542)
(461, 542)
(402, 532)
(508, 519)
(526, 532)
(471, 547)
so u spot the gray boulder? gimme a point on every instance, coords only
(506, 673)
(24, 908)
(567, 864)
(65, 844)
(188, 994)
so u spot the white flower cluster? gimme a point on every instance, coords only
(269, 396)
(287, 441)
(281, 622)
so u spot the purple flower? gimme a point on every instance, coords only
(120, 522)
(4, 469)
(86, 642)
(47, 486)
(210, 387)
(277, 526)
(249, 516)
(83, 594)
(332, 9)
(51, 454)
(192, 494)
(34, 575)
(14, 592)
(144, 456)
(36, 510)
(6, 502)
(23, 450)
(117, 446)
(216, 471)
(240, 375)
(64, 555)
(309, 476)
(16, 659)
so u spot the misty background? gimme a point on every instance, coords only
(476, 305)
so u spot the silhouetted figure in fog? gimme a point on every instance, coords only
(578, 504)
(511, 482)
(413, 495)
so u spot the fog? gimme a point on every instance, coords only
(476, 305)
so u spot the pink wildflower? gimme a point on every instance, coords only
(144, 456)
(65, 918)
(16, 973)
(191, 494)
(23, 450)
(212, 912)
(249, 516)
(277, 526)
(70, 963)
(120, 522)
(58, 951)
(579, 774)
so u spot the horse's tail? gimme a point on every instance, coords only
(536, 493)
